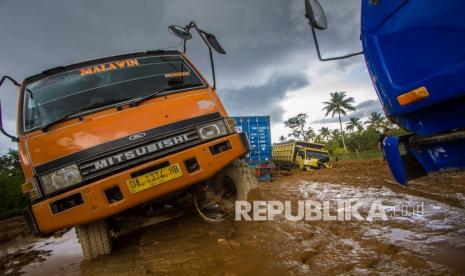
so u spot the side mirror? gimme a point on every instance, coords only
(213, 42)
(2, 130)
(180, 32)
(317, 19)
(315, 14)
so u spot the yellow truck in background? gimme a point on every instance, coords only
(305, 155)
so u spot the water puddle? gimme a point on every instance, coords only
(399, 234)
(64, 258)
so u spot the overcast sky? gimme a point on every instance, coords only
(270, 67)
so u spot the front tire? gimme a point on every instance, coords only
(95, 239)
(236, 181)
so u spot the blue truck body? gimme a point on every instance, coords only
(412, 44)
(258, 131)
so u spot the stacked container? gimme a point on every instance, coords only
(257, 129)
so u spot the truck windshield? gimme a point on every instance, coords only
(317, 155)
(119, 81)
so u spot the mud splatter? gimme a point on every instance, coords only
(12, 263)
(432, 242)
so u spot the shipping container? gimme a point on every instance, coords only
(258, 131)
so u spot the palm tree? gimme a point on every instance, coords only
(354, 124)
(339, 103)
(318, 139)
(325, 133)
(282, 139)
(335, 133)
(310, 134)
(376, 121)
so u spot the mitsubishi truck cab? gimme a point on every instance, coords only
(101, 139)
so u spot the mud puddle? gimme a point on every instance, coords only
(64, 256)
(408, 242)
(430, 242)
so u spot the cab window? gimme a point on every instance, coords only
(104, 84)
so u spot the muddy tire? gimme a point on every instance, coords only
(95, 239)
(320, 164)
(237, 175)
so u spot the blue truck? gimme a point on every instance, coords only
(415, 55)
(258, 131)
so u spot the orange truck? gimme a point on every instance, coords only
(103, 138)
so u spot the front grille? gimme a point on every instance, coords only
(136, 154)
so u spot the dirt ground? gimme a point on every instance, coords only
(430, 242)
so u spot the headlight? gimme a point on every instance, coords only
(212, 130)
(60, 179)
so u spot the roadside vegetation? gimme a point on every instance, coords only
(355, 138)
(12, 200)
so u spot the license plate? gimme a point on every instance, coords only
(154, 178)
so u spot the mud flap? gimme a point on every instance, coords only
(403, 167)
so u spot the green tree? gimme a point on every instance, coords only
(376, 121)
(297, 125)
(298, 129)
(12, 200)
(282, 139)
(339, 104)
(310, 134)
(325, 133)
(353, 124)
(9, 163)
(335, 134)
(318, 139)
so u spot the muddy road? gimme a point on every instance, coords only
(409, 241)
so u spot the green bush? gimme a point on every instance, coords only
(12, 200)
(368, 154)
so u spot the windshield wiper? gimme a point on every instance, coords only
(149, 96)
(85, 108)
(154, 94)
(115, 101)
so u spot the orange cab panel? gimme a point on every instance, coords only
(95, 204)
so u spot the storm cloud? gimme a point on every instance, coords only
(263, 99)
(268, 42)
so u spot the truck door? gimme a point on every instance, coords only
(300, 158)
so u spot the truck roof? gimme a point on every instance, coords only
(303, 144)
(61, 69)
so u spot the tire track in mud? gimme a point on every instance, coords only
(279, 247)
(384, 246)
(430, 244)
(191, 246)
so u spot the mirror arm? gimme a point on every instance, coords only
(10, 79)
(13, 138)
(202, 35)
(184, 41)
(210, 52)
(333, 58)
(213, 67)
